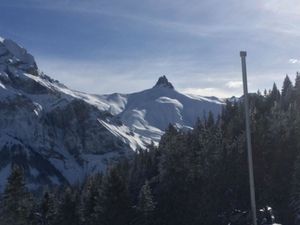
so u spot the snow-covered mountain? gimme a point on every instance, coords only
(60, 135)
(148, 113)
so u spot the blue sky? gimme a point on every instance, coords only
(109, 46)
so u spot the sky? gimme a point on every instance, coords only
(107, 46)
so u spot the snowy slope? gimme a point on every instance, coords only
(149, 112)
(49, 129)
(60, 135)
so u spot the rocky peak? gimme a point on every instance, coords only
(14, 56)
(163, 82)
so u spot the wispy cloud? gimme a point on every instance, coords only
(289, 7)
(234, 84)
(210, 91)
(294, 61)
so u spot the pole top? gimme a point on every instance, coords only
(243, 53)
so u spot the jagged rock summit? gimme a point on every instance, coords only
(13, 56)
(163, 82)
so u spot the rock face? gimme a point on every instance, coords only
(163, 82)
(59, 135)
(12, 57)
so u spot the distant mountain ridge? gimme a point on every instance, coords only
(60, 135)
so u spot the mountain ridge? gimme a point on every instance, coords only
(55, 132)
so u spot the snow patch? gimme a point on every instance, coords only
(38, 108)
(2, 86)
(207, 99)
(166, 100)
(124, 134)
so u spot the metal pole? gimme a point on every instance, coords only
(243, 55)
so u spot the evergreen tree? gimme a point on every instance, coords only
(17, 204)
(92, 200)
(143, 166)
(47, 210)
(116, 208)
(275, 94)
(174, 170)
(68, 209)
(295, 195)
(286, 93)
(145, 206)
(210, 120)
(297, 90)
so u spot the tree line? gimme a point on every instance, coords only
(193, 177)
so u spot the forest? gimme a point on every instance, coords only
(193, 177)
